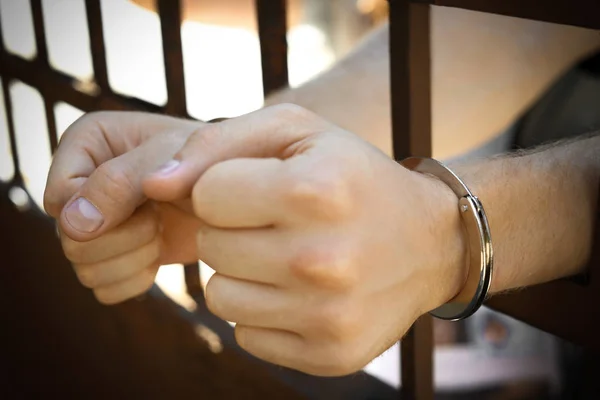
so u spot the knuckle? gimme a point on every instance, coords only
(211, 295)
(115, 294)
(53, 200)
(338, 320)
(201, 244)
(147, 228)
(147, 278)
(326, 267)
(87, 276)
(290, 111)
(107, 296)
(86, 121)
(74, 251)
(325, 197)
(206, 136)
(338, 360)
(116, 181)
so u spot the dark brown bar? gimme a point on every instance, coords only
(18, 179)
(272, 30)
(63, 87)
(9, 116)
(411, 122)
(410, 68)
(416, 359)
(170, 22)
(192, 281)
(40, 34)
(42, 58)
(97, 47)
(584, 13)
(51, 124)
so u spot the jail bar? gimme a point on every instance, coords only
(18, 178)
(97, 46)
(65, 88)
(40, 34)
(42, 59)
(272, 29)
(170, 23)
(411, 127)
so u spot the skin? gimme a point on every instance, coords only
(310, 229)
(310, 225)
(486, 71)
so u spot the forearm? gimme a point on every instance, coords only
(484, 75)
(488, 69)
(541, 208)
(354, 94)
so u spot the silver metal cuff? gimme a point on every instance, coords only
(481, 255)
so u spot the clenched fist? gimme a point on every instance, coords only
(325, 249)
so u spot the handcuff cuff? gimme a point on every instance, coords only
(480, 252)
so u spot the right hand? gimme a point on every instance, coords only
(115, 238)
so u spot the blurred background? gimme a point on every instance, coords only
(490, 355)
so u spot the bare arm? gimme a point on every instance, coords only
(487, 69)
(541, 206)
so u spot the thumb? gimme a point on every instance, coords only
(269, 132)
(108, 196)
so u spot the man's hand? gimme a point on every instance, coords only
(325, 249)
(114, 237)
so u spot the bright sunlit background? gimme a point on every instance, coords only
(222, 77)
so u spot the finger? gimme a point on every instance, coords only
(119, 268)
(136, 232)
(259, 192)
(110, 195)
(127, 289)
(270, 132)
(275, 346)
(292, 351)
(241, 193)
(98, 137)
(259, 255)
(251, 303)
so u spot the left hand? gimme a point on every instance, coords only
(325, 249)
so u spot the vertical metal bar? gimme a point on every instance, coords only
(272, 30)
(51, 124)
(410, 70)
(416, 358)
(170, 23)
(193, 282)
(40, 37)
(42, 59)
(97, 47)
(410, 78)
(18, 178)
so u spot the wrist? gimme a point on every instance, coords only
(449, 243)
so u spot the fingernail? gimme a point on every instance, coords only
(168, 167)
(83, 216)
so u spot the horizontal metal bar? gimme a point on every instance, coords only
(61, 87)
(582, 13)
